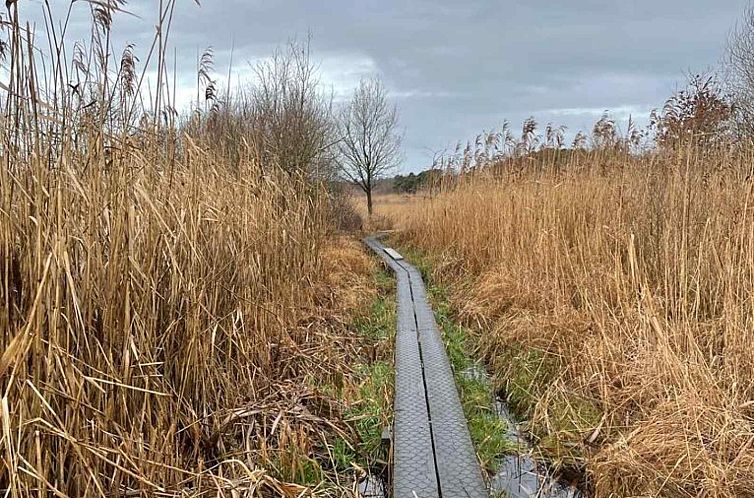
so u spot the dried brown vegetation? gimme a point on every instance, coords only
(170, 307)
(613, 298)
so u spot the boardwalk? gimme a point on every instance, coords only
(433, 452)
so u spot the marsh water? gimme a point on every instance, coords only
(521, 475)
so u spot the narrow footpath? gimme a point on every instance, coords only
(432, 450)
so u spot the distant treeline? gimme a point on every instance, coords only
(411, 183)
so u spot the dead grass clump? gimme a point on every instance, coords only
(495, 294)
(347, 276)
(672, 452)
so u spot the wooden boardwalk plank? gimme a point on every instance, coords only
(439, 445)
(414, 472)
(393, 254)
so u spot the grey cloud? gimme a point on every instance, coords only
(457, 67)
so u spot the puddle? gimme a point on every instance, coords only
(372, 487)
(521, 475)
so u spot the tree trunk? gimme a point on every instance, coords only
(369, 201)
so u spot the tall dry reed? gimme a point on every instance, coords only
(614, 298)
(162, 284)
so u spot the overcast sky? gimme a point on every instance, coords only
(457, 67)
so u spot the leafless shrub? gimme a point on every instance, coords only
(290, 113)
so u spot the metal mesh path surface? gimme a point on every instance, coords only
(432, 449)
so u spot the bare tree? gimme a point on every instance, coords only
(739, 72)
(370, 142)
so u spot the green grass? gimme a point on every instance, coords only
(488, 430)
(379, 324)
(307, 472)
(371, 410)
(533, 373)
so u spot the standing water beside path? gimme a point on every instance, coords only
(520, 474)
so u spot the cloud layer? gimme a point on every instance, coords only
(457, 67)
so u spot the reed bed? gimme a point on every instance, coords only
(613, 296)
(143, 322)
(173, 298)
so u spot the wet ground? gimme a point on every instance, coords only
(372, 487)
(521, 476)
